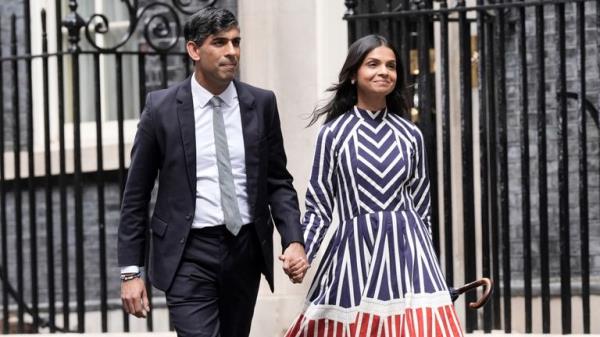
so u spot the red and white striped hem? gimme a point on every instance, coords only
(413, 322)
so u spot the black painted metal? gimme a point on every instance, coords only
(33, 263)
(64, 225)
(496, 22)
(525, 193)
(161, 31)
(410, 25)
(142, 79)
(588, 106)
(120, 114)
(503, 165)
(48, 189)
(583, 173)
(397, 13)
(100, 193)
(73, 22)
(447, 170)
(162, 23)
(17, 178)
(493, 173)
(483, 158)
(542, 174)
(79, 258)
(563, 170)
(426, 102)
(3, 222)
(464, 33)
(121, 169)
(350, 5)
(404, 43)
(163, 67)
(373, 25)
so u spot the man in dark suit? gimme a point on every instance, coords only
(216, 145)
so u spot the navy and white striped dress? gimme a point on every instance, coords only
(379, 275)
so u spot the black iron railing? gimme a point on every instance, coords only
(514, 62)
(525, 212)
(58, 217)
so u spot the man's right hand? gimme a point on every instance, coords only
(134, 297)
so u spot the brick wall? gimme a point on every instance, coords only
(514, 112)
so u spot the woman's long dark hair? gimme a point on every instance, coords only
(345, 96)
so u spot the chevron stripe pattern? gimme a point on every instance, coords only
(379, 274)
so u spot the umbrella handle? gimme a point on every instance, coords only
(488, 283)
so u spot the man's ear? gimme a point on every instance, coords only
(192, 50)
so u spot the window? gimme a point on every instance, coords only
(117, 15)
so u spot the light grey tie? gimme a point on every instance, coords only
(231, 211)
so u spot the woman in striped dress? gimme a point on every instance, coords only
(379, 275)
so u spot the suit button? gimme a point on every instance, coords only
(188, 217)
(182, 241)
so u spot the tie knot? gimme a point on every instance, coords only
(216, 101)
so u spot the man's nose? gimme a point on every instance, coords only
(230, 49)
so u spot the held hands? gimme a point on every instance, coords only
(295, 263)
(135, 298)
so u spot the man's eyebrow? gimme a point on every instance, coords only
(223, 38)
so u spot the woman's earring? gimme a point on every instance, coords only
(352, 81)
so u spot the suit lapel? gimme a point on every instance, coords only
(185, 115)
(250, 129)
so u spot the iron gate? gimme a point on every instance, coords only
(509, 88)
(503, 92)
(59, 214)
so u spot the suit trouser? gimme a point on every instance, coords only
(215, 287)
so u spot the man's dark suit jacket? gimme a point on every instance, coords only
(165, 146)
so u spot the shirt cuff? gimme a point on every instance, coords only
(131, 270)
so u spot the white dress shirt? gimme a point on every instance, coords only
(208, 193)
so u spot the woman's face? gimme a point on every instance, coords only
(376, 76)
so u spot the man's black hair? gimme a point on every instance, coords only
(208, 21)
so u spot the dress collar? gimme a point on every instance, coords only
(370, 115)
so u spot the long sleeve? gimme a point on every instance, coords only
(419, 183)
(320, 194)
(283, 200)
(140, 182)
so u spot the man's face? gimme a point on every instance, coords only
(217, 59)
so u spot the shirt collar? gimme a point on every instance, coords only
(201, 96)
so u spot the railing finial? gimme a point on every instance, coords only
(350, 5)
(73, 22)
